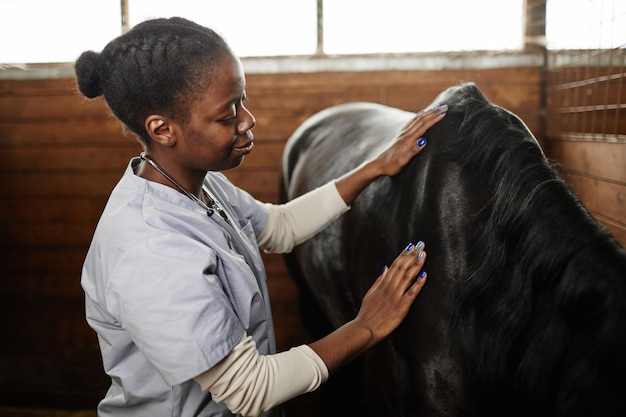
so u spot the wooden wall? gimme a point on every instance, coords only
(60, 156)
(586, 132)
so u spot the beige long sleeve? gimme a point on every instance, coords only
(294, 222)
(249, 383)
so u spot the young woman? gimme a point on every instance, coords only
(174, 282)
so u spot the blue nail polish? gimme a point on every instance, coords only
(443, 108)
(384, 269)
(408, 248)
(420, 256)
(421, 142)
(422, 275)
(419, 245)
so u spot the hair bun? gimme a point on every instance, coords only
(87, 70)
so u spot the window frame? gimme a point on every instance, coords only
(532, 53)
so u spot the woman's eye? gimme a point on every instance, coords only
(229, 120)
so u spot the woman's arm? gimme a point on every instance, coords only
(249, 383)
(291, 223)
(384, 307)
(294, 222)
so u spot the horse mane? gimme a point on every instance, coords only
(540, 313)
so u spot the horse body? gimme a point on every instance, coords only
(524, 307)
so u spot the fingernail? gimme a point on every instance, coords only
(421, 142)
(443, 108)
(419, 245)
(408, 248)
(420, 256)
(384, 269)
(422, 275)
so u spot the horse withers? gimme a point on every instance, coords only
(524, 311)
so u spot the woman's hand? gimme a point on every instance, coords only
(387, 302)
(384, 307)
(410, 142)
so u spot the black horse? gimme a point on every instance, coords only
(524, 312)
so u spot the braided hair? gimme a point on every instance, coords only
(158, 67)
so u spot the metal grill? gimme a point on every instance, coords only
(585, 86)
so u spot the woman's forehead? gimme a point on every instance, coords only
(226, 83)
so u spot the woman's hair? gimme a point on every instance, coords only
(158, 67)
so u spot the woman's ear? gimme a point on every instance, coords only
(160, 130)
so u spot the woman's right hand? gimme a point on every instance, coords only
(387, 302)
(384, 307)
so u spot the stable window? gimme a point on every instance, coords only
(251, 27)
(43, 31)
(401, 26)
(586, 24)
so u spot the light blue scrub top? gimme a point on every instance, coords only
(169, 295)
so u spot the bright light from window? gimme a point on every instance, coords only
(56, 31)
(586, 24)
(356, 26)
(46, 31)
(251, 28)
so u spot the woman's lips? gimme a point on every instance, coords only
(245, 149)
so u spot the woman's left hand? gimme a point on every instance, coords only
(410, 141)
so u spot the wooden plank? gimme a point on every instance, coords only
(49, 283)
(618, 231)
(509, 95)
(65, 159)
(274, 264)
(34, 87)
(47, 234)
(586, 93)
(65, 314)
(611, 121)
(601, 160)
(62, 107)
(45, 412)
(605, 198)
(64, 185)
(114, 159)
(52, 209)
(263, 182)
(19, 261)
(83, 131)
(291, 81)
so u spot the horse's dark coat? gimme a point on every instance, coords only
(524, 312)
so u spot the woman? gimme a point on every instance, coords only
(174, 282)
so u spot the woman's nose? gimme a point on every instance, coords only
(247, 123)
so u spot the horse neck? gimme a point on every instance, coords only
(534, 270)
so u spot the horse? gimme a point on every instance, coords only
(524, 311)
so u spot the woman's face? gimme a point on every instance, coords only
(218, 134)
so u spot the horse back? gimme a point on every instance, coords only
(524, 303)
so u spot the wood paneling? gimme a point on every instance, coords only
(586, 132)
(597, 173)
(61, 155)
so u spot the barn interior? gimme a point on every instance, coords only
(61, 156)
